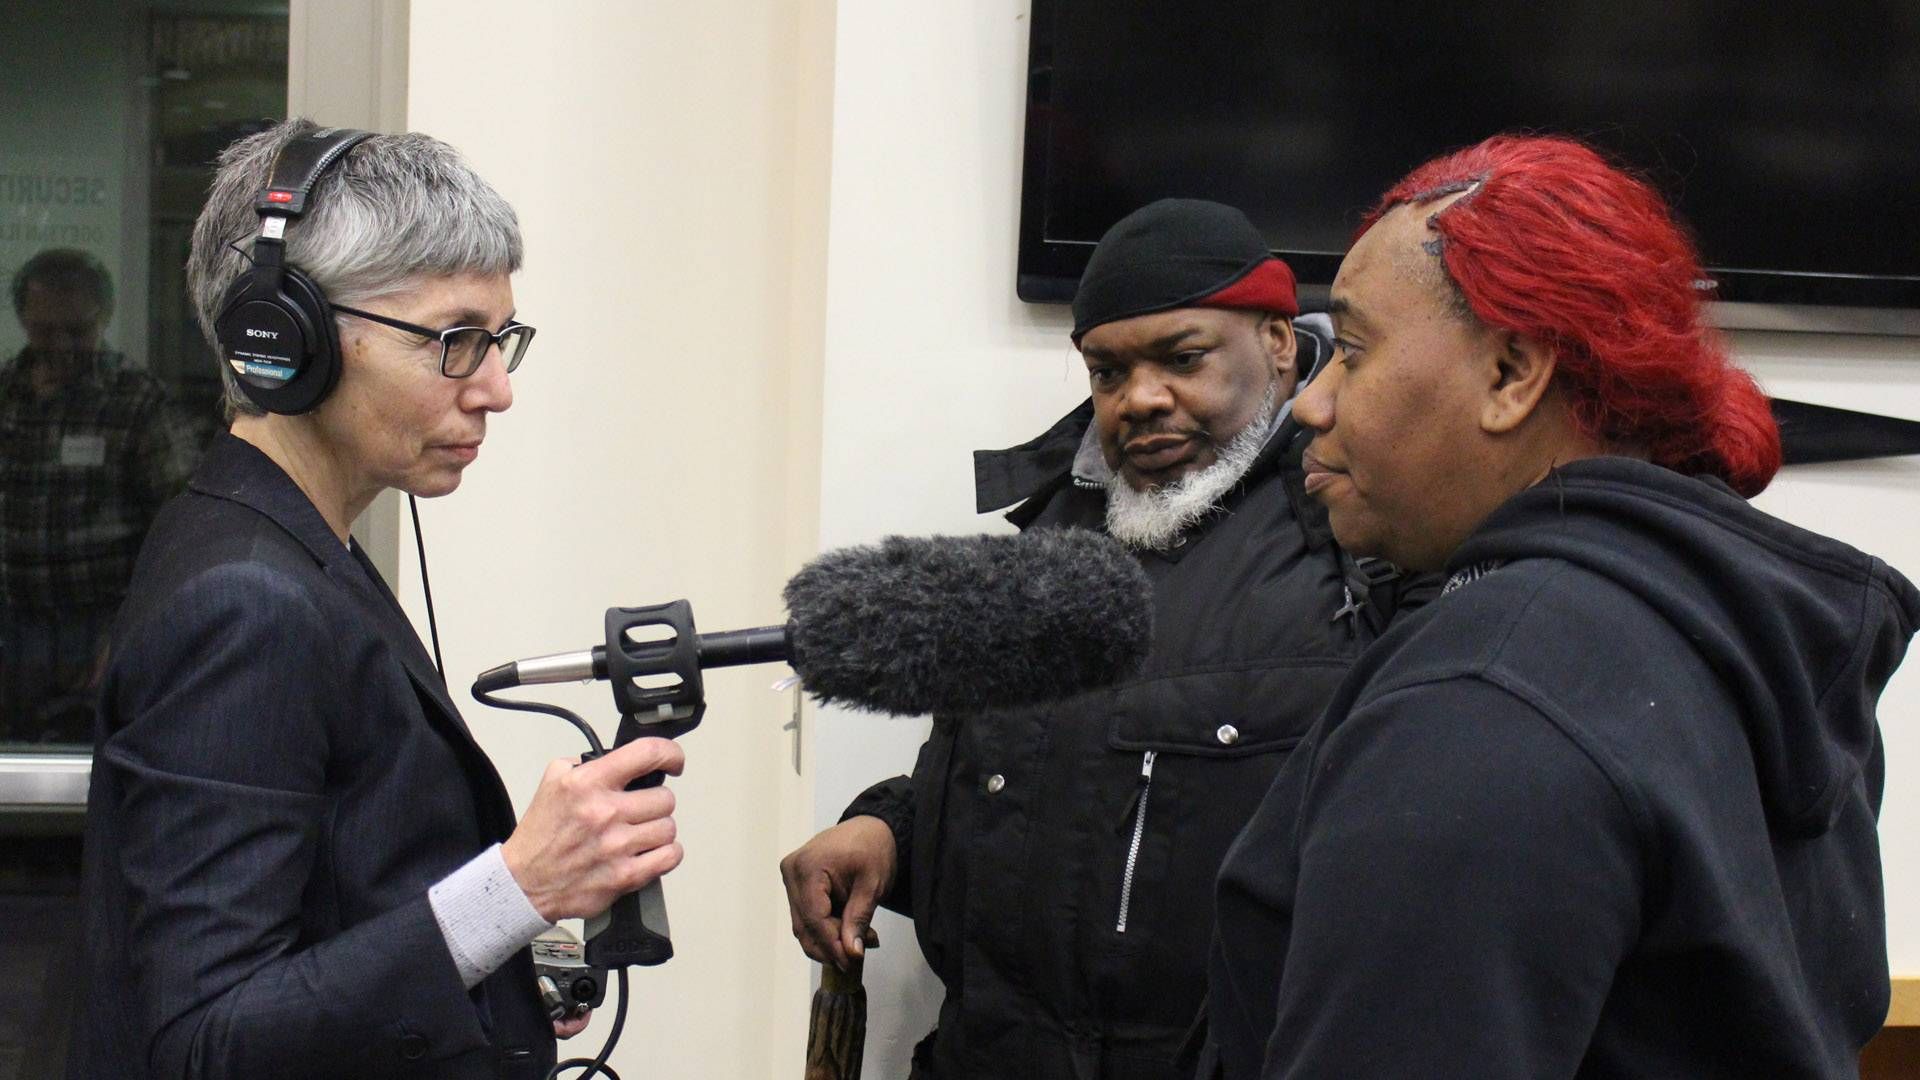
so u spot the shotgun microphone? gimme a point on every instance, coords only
(940, 624)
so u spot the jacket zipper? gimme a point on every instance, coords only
(1139, 830)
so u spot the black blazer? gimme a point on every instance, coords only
(279, 777)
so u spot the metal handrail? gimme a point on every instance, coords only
(44, 781)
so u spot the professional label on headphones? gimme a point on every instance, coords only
(245, 366)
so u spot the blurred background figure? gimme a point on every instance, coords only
(88, 452)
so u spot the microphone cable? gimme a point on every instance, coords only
(433, 627)
(597, 1064)
(490, 697)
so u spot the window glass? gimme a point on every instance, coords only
(115, 113)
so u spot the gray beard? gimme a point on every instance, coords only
(1153, 519)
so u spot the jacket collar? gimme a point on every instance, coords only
(240, 472)
(1037, 466)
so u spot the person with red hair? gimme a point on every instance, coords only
(1608, 806)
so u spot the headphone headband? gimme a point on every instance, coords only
(299, 166)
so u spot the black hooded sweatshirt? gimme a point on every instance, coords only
(1606, 809)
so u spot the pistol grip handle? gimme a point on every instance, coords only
(634, 931)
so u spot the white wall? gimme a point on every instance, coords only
(668, 165)
(929, 354)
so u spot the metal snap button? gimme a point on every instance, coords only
(1228, 734)
(995, 784)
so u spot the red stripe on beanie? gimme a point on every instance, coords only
(1267, 287)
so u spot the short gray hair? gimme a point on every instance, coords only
(394, 210)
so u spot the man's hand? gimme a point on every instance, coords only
(834, 881)
(585, 840)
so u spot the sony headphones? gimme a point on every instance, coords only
(275, 327)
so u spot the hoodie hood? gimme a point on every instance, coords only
(1803, 630)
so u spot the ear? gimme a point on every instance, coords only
(1520, 371)
(1276, 335)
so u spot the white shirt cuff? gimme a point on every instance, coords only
(484, 915)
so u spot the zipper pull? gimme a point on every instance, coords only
(1139, 790)
(1139, 831)
(1349, 611)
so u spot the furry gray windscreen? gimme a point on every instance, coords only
(1155, 518)
(954, 624)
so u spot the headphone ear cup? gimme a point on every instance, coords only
(322, 369)
(276, 331)
(261, 339)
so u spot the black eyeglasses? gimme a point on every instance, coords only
(462, 348)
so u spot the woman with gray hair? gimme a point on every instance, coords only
(299, 863)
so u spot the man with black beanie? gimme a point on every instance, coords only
(1057, 861)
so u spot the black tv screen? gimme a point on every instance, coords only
(1788, 135)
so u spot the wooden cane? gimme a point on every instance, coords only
(837, 1032)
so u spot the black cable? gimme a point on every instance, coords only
(595, 1065)
(433, 628)
(599, 1064)
(485, 697)
(234, 246)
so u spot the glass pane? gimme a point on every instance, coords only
(115, 112)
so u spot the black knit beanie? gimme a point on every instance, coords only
(1181, 253)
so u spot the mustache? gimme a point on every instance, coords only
(1141, 431)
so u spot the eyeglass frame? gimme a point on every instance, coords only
(442, 335)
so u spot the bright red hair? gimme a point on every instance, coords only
(1554, 243)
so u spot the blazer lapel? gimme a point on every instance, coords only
(371, 589)
(235, 469)
(379, 604)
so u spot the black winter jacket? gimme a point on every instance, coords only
(1058, 861)
(1606, 810)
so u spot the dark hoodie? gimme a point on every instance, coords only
(1606, 809)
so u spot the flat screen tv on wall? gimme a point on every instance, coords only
(1787, 134)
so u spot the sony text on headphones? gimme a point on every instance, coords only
(275, 327)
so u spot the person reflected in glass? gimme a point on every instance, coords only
(88, 453)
